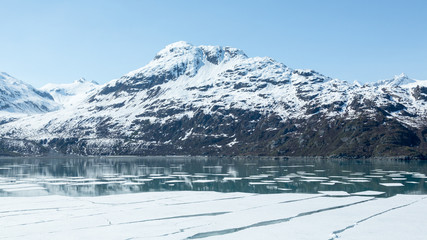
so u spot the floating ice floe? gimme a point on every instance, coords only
(113, 179)
(128, 176)
(373, 176)
(268, 167)
(392, 184)
(174, 181)
(181, 175)
(328, 183)
(92, 183)
(292, 175)
(231, 179)
(419, 175)
(395, 175)
(333, 176)
(305, 173)
(162, 177)
(204, 181)
(143, 180)
(198, 176)
(358, 181)
(315, 178)
(368, 193)
(412, 182)
(335, 193)
(399, 179)
(261, 183)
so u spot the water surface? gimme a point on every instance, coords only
(86, 176)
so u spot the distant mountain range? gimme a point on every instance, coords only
(211, 100)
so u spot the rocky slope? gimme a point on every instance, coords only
(215, 100)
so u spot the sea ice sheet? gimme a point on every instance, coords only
(213, 215)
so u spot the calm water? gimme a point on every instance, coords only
(115, 175)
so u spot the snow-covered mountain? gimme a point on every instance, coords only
(19, 97)
(216, 100)
(72, 93)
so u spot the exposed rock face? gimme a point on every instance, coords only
(215, 100)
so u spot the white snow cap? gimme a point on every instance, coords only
(187, 58)
(83, 80)
(181, 48)
(71, 93)
(397, 80)
(402, 79)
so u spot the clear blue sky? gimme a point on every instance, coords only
(60, 41)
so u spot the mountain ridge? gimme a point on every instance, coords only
(19, 97)
(211, 100)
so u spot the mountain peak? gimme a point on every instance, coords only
(174, 50)
(401, 76)
(181, 48)
(402, 79)
(396, 81)
(83, 80)
(4, 75)
(179, 44)
(182, 58)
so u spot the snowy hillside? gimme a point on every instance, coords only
(71, 93)
(216, 100)
(19, 97)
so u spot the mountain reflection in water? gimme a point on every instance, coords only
(93, 176)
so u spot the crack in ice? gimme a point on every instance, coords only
(302, 199)
(270, 222)
(182, 216)
(38, 209)
(149, 220)
(335, 234)
(289, 201)
(126, 203)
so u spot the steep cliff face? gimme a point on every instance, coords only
(215, 100)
